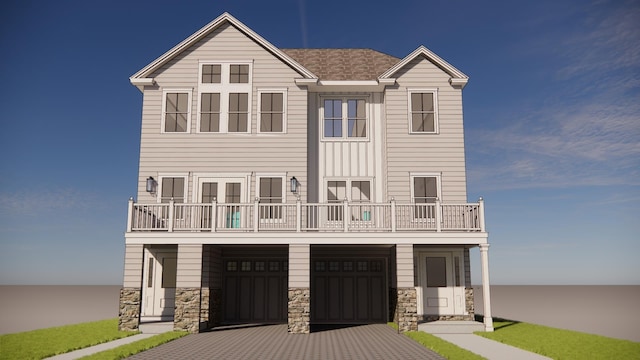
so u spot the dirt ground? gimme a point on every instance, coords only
(612, 311)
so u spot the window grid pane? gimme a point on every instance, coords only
(239, 74)
(357, 118)
(210, 112)
(176, 112)
(238, 112)
(211, 74)
(271, 112)
(422, 112)
(332, 118)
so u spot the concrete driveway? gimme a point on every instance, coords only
(377, 341)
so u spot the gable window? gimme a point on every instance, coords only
(344, 118)
(224, 97)
(176, 111)
(210, 112)
(424, 192)
(423, 112)
(271, 117)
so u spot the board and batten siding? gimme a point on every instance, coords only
(218, 153)
(189, 266)
(133, 265)
(441, 153)
(299, 265)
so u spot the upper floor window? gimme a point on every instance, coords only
(424, 192)
(423, 112)
(172, 188)
(224, 97)
(344, 118)
(272, 111)
(176, 112)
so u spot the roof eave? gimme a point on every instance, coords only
(204, 31)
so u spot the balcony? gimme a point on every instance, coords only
(303, 217)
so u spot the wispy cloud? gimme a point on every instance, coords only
(587, 130)
(47, 201)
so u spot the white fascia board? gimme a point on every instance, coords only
(204, 31)
(422, 50)
(346, 86)
(461, 83)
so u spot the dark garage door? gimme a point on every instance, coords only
(254, 291)
(348, 291)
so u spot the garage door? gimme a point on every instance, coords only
(255, 291)
(349, 291)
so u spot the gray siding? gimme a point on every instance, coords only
(189, 269)
(299, 260)
(433, 153)
(404, 260)
(133, 260)
(223, 153)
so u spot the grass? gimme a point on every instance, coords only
(38, 344)
(442, 347)
(133, 348)
(561, 344)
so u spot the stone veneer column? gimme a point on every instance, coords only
(129, 314)
(187, 310)
(407, 309)
(205, 308)
(468, 300)
(299, 294)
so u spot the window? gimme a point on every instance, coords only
(436, 272)
(271, 114)
(336, 193)
(176, 111)
(238, 112)
(424, 192)
(210, 112)
(172, 188)
(344, 118)
(360, 191)
(224, 95)
(423, 111)
(271, 191)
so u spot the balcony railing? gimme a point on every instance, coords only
(302, 217)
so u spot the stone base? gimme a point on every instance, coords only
(205, 296)
(407, 309)
(129, 313)
(299, 321)
(187, 313)
(469, 304)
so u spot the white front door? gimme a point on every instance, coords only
(442, 281)
(160, 284)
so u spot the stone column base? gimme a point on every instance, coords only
(129, 313)
(187, 313)
(407, 309)
(299, 311)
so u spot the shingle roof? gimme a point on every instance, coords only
(343, 64)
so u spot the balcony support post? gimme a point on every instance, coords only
(256, 215)
(130, 215)
(393, 215)
(486, 290)
(298, 215)
(171, 215)
(438, 215)
(214, 214)
(345, 216)
(481, 214)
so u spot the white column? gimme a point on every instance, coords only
(486, 292)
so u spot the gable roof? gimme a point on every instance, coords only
(457, 77)
(343, 64)
(140, 77)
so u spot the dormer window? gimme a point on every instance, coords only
(344, 118)
(224, 97)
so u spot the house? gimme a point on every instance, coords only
(299, 186)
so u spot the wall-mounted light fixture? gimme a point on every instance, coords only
(152, 185)
(294, 185)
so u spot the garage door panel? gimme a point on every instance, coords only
(348, 299)
(334, 298)
(377, 302)
(319, 303)
(244, 298)
(230, 295)
(259, 293)
(362, 291)
(274, 298)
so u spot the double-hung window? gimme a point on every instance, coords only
(271, 190)
(176, 111)
(423, 111)
(344, 118)
(424, 192)
(271, 113)
(224, 97)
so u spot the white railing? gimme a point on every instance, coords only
(334, 217)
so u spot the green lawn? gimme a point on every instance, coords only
(133, 348)
(442, 347)
(38, 344)
(561, 344)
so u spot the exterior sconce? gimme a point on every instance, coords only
(294, 185)
(152, 184)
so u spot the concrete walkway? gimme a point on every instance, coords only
(490, 349)
(100, 347)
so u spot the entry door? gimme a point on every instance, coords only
(160, 289)
(442, 283)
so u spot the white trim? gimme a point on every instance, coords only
(461, 78)
(438, 177)
(281, 175)
(345, 117)
(224, 88)
(161, 177)
(436, 126)
(207, 29)
(284, 92)
(189, 92)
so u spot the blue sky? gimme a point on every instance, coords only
(552, 122)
